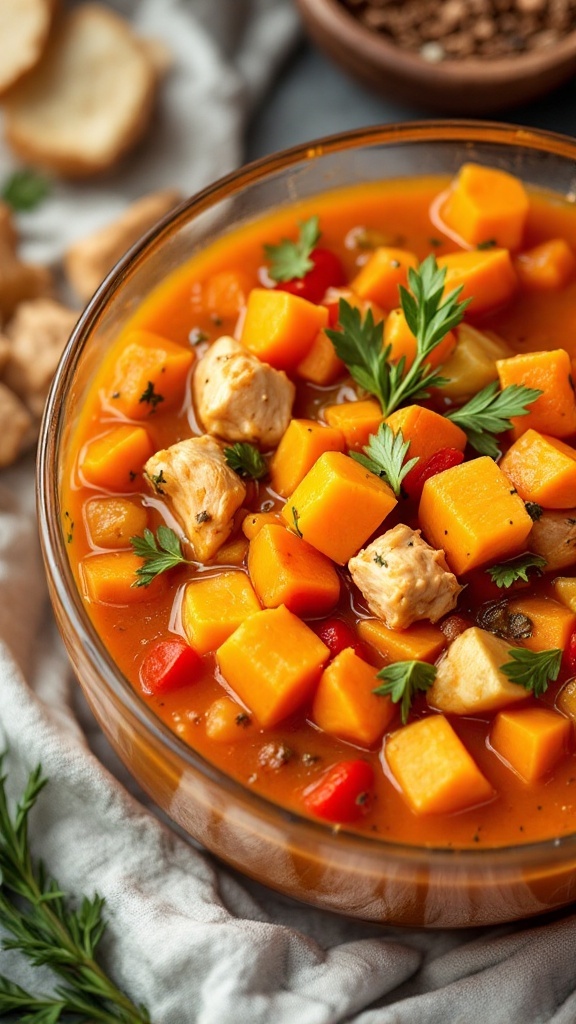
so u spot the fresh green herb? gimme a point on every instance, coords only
(507, 573)
(381, 562)
(157, 479)
(151, 397)
(402, 680)
(246, 460)
(490, 412)
(489, 243)
(291, 259)
(34, 912)
(533, 669)
(384, 456)
(534, 510)
(160, 553)
(358, 342)
(24, 190)
(296, 517)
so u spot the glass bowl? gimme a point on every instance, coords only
(351, 874)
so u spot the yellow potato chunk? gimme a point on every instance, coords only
(469, 679)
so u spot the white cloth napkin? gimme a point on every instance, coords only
(191, 940)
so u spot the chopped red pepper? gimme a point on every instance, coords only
(327, 272)
(169, 665)
(337, 635)
(571, 653)
(444, 458)
(342, 793)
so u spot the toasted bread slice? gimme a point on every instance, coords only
(24, 28)
(87, 101)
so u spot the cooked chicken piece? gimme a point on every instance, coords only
(469, 679)
(554, 537)
(16, 430)
(239, 398)
(403, 579)
(37, 333)
(201, 490)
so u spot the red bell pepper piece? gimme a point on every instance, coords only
(327, 272)
(169, 665)
(337, 635)
(444, 458)
(342, 793)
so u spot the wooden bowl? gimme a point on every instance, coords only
(468, 86)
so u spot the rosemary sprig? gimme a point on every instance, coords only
(384, 456)
(489, 413)
(160, 553)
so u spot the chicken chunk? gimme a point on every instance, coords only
(403, 579)
(239, 398)
(201, 490)
(469, 679)
(38, 333)
(554, 537)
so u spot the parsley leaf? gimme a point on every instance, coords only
(490, 412)
(150, 396)
(384, 456)
(24, 190)
(505, 574)
(533, 669)
(402, 680)
(291, 259)
(534, 510)
(246, 460)
(160, 553)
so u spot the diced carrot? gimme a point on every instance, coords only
(398, 335)
(435, 772)
(552, 622)
(214, 606)
(255, 521)
(338, 505)
(530, 740)
(345, 704)
(150, 371)
(286, 570)
(546, 267)
(542, 469)
(471, 512)
(115, 459)
(226, 721)
(487, 278)
(273, 662)
(320, 365)
(486, 205)
(420, 642)
(112, 521)
(226, 293)
(381, 275)
(110, 578)
(280, 328)
(356, 420)
(554, 412)
(234, 552)
(303, 442)
(427, 432)
(472, 364)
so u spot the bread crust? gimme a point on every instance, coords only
(24, 29)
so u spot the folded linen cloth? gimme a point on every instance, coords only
(188, 938)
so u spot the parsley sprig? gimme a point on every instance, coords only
(384, 456)
(429, 314)
(24, 190)
(291, 259)
(160, 553)
(402, 680)
(246, 460)
(489, 413)
(35, 913)
(507, 573)
(533, 669)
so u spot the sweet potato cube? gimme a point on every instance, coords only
(345, 704)
(554, 412)
(546, 267)
(110, 578)
(565, 590)
(256, 521)
(116, 458)
(338, 505)
(320, 365)
(225, 293)
(214, 606)
(273, 662)
(112, 521)
(552, 622)
(356, 420)
(302, 443)
(428, 432)
(542, 469)
(487, 277)
(398, 335)
(470, 512)
(530, 740)
(280, 328)
(420, 642)
(233, 552)
(433, 768)
(383, 272)
(469, 678)
(287, 570)
(472, 364)
(150, 372)
(226, 721)
(486, 205)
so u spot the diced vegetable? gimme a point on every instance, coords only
(421, 642)
(486, 206)
(345, 704)
(327, 272)
(115, 459)
(552, 622)
(565, 590)
(547, 267)
(427, 432)
(256, 521)
(383, 272)
(234, 552)
(226, 721)
(150, 371)
(168, 665)
(554, 412)
(286, 570)
(530, 740)
(214, 606)
(226, 293)
(472, 364)
(320, 365)
(342, 794)
(444, 458)
(303, 443)
(337, 635)
(542, 469)
(110, 578)
(553, 536)
(566, 699)
(487, 278)
(469, 679)
(356, 421)
(112, 521)
(398, 335)
(280, 328)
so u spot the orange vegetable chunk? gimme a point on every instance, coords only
(398, 335)
(426, 430)
(542, 470)
(273, 662)
(280, 328)
(214, 606)
(554, 412)
(226, 721)
(470, 512)
(485, 204)
(226, 293)
(256, 521)
(420, 642)
(114, 459)
(110, 578)
(112, 521)
(233, 552)
(320, 365)
(302, 443)
(150, 371)
(356, 420)
(338, 505)
(435, 772)
(530, 740)
(286, 570)
(487, 277)
(383, 272)
(552, 622)
(345, 704)
(546, 267)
